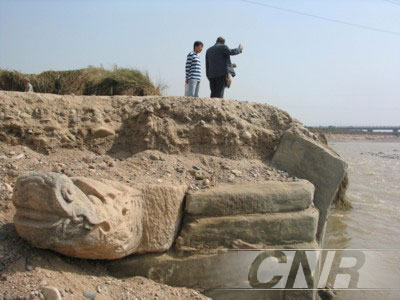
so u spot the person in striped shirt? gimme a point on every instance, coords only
(193, 71)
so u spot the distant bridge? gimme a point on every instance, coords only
(357, 129)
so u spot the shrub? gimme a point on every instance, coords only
(88, 81)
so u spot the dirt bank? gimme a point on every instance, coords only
(197, 142)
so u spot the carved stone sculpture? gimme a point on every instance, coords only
(87, 218)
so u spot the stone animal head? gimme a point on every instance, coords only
(46, 198)
(78, 216)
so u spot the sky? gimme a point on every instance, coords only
(295, 57)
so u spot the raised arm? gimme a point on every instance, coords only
(234, 51)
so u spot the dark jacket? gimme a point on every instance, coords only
(218, 59)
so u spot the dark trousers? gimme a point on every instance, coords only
(217, 86)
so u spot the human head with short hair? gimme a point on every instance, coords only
(220, 40)
(197, 46)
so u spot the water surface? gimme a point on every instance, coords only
(374, 221)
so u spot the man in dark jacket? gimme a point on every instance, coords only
(217, 62)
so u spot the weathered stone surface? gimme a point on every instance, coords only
(80, 217)
(51, 293)
(322, 167)
(195, 271)
(89, 294)
(270, 229)
(224, 269)
(86, 218)
(250, 198)
(102, 131)
(162, 215)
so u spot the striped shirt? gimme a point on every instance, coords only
(193, 66)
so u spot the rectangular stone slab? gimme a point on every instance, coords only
(278, 228)
(226, 269)
(251, 198)
(312, 161)
(162, 216)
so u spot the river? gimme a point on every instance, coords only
(374, 221)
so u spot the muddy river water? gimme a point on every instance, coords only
(373, 225)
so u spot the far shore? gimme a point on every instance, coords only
(376, 136)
